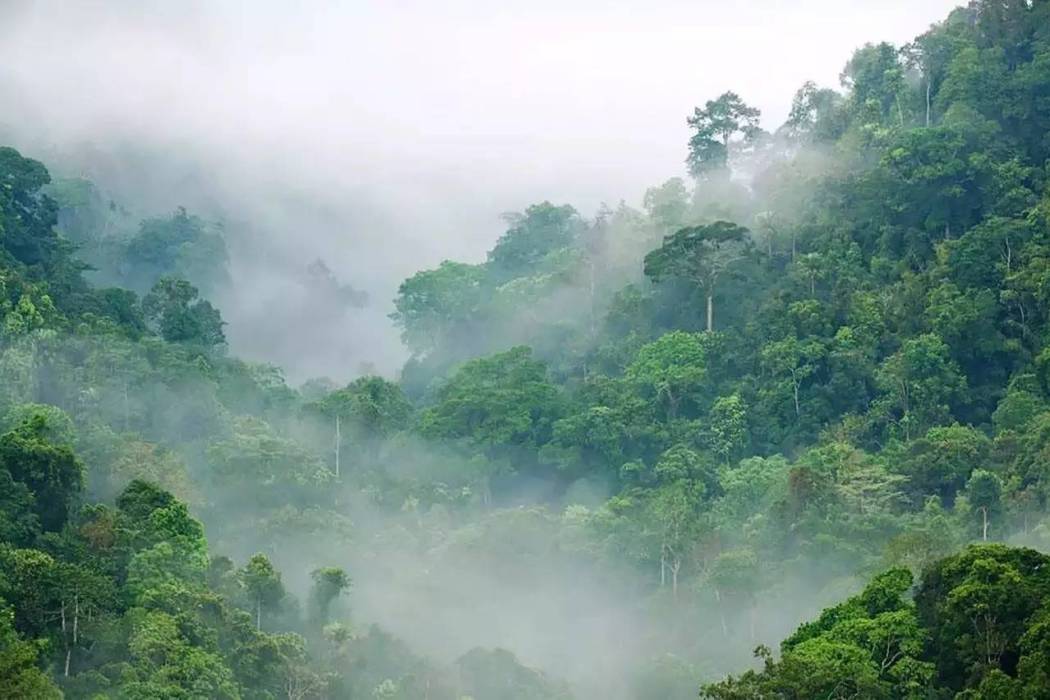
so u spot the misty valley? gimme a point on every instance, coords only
(780, 430)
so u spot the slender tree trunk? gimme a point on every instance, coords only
(676, 565)
(721, 613)
(338, 445)
(905, 404)
(258, 614)
(65, 639)
(672, 404)
(710, 312)
(76, 628)
(798, 409)
(927, 102)
(984, 523)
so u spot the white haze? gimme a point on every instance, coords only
(383, 137)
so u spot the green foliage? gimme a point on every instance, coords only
(366, 413)
(435, 304)
(329, 583)
(532, 236)
(27, 218)
(180, 246)
(672, 368)
(715, 125)
(20, 676)
(870, 646)
(173, 310)
(502, 400)
(941, 461)
(919, 384)
(978, 606)
(51, 472)
(876, 394)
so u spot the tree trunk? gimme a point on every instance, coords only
(674, 578)
(338, 445)
(927, 102)
(798, 409)
(65, 639)
(721, 613)
(76, 627)
(672, 404)
(258, 614)
(710, 312)
(984, 523)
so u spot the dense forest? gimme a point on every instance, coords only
(629, 457)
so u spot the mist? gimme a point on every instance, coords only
(568, 443)
(384, 139)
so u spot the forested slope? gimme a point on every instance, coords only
(627, 449)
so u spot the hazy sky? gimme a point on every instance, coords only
(390, 135)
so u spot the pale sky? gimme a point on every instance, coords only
(406, 128)
(576, 101)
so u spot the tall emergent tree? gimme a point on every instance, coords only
(715, 125)
(701, 255)
(263, 584)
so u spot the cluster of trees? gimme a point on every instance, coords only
(976, 628)
(823, 357)
(858, 292)
(124, 601)
(112, 397)
(121, 253)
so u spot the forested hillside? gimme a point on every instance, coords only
(627, 449)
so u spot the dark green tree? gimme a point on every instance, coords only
(714, 127)
(702, 255)
(174, 312)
